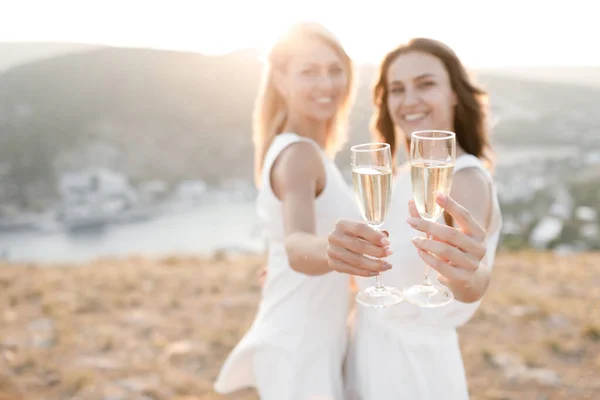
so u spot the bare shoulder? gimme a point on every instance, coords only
(298, 167)
(471, 189)
(471, 179)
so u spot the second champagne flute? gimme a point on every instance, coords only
(432, 156)
(372, 176)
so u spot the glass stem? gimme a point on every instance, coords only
(427, 281)
(378, 283)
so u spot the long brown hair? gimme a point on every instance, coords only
(470, 124)
(270, 114)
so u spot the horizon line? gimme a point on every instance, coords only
(261, 51)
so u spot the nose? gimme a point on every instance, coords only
(411, 97)
(324, 82)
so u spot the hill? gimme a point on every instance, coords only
(169, 115)
(17, 53)
(585, 75)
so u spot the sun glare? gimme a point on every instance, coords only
(367, 30)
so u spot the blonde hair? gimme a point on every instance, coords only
(270, 114)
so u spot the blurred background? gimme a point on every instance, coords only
(125, 149)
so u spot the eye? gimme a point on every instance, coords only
(396, 90)
(307, 72)
(426, 84)
(335, 71)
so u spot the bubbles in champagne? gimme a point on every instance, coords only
(373, 188)
(429, 178)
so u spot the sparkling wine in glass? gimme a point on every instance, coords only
(432, 156)
(372, 178)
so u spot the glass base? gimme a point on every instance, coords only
(379, 297)
(428, 295)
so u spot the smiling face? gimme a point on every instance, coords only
(314, 81)
(419, 93)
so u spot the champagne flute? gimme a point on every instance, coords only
(372, 178)
(432, 156)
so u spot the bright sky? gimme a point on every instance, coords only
(483, 33)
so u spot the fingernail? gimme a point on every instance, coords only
(417, 241)
(386, 265)
(388, 251)
(384, 241)
(412, 221)
(441, 198)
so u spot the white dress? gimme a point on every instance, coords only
(296, 346)
(406, 352)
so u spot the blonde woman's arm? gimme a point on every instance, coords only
(298, 175)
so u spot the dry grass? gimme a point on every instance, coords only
(142, 329)
(544, 309)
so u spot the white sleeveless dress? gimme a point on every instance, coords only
(406, 352)
(296, 346)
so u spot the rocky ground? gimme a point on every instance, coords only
(159, 329)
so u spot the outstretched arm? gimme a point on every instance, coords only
(297, 177)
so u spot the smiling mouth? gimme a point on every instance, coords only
(414, 117)
(323, 100)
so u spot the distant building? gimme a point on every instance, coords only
(94, 197)
(93, 184)
(545, 231)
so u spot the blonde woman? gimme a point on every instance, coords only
(296, 345)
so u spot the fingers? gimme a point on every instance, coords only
(262, 276)
(361, 230)
(412, 209)
(447, 253)
(349, 245)
(448, 272)
(462, 216)
(341, 266)
(443, 280)
(448, 235)
(414, 213)
(355, 260)
(357, 245)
